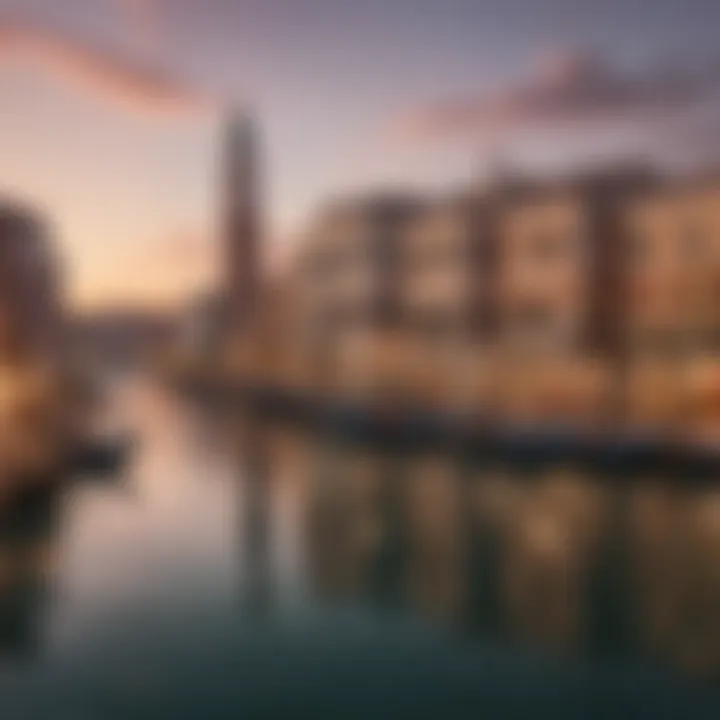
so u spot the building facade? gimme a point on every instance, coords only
(673, 268)
(30, 301)
(574, 298)
(347, 285)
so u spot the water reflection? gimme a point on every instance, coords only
(255, 514)
(27, 564)
(275, 568)
(573, 564)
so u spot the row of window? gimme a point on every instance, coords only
(695, 245)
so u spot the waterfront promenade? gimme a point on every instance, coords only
(635, 447)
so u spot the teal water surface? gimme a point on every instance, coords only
(238, 570)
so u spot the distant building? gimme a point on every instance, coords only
(30, 302)
(123, 338)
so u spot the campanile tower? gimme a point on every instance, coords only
(240, 228)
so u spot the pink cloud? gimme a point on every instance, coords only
(123, 82)
(568, 89)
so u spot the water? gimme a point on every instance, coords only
(235, 569)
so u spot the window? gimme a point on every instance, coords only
(533, 321)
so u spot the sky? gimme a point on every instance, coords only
(111, 111)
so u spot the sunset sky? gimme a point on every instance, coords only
(110, 110)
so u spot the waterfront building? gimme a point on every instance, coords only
(441, 268)
(350, 268)
(34, 419)
(346, 283)
(672, 312)
(559, 288)
(586, 299)
(30, 301)
(673, 268)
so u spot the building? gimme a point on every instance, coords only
(445, 262)
(37, 417)
(525, 263)
(532, 297)
(240, 222)
(30, 301)
(673, 268)
(349, 270)
(347, 282)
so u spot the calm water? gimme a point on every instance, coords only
(235, 570)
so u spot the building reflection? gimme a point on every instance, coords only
(254, 489)
(28, 538)
(437, 545)
(679, 542)
(553, 558)
(346, 528)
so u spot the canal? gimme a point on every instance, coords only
(242, 569)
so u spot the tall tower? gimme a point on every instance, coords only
(241, 262)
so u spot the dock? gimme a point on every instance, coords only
(619, 452)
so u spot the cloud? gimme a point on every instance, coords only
(126, 83)
(570, 89)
